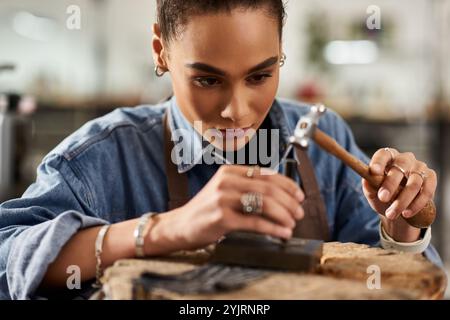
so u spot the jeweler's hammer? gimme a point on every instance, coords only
(306, 130)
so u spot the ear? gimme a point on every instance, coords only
(159, 56)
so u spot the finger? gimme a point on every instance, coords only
(380, 160)
(277, 213)
(369, 191)
(395, 176)
(287, 184)
(271, 209)
(284, 199)
(275, 194)
(272, 176)
(426, 195)
(371, 195)
(408, 193)
(260, 225)
(240, 170)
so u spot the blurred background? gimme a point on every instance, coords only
(383, 65)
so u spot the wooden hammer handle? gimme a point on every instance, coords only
(423, 219)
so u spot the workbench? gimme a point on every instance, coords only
(346, 271)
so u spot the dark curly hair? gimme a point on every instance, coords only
(173, 15)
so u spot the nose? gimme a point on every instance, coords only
(237, 109)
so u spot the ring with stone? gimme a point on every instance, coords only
(252, 203)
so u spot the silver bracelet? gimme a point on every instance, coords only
(98, 252)
(139, 233)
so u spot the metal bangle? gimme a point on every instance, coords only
(98, 253)
(139, 235)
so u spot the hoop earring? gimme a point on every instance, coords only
(158, 72)
(283, 59)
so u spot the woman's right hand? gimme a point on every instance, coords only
(217, 209)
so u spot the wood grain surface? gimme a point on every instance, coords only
(342, 274)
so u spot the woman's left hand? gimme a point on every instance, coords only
(419, 189)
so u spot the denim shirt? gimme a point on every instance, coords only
(112, 169)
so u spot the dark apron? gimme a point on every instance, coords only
(313, 226)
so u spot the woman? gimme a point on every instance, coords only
(224, 59)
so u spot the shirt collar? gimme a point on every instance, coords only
(193, 141)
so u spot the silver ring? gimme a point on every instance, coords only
(403, 171)
(252, 203)
(422, 174)
(391, 153)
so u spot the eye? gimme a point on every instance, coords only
(207, 82)
(259, 78)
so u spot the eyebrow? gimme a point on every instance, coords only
(210, 69)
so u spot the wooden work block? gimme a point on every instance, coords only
(343, 273)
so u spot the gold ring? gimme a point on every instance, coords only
(251, 171)
(422, 174)
(403, 171)
(390, 152)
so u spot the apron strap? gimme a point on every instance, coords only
(315, 223)
(177, 183)
(313, 226)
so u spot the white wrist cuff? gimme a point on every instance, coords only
(418, 246)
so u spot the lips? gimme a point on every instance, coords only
(232, 133)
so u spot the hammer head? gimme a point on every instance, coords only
(304, 130)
